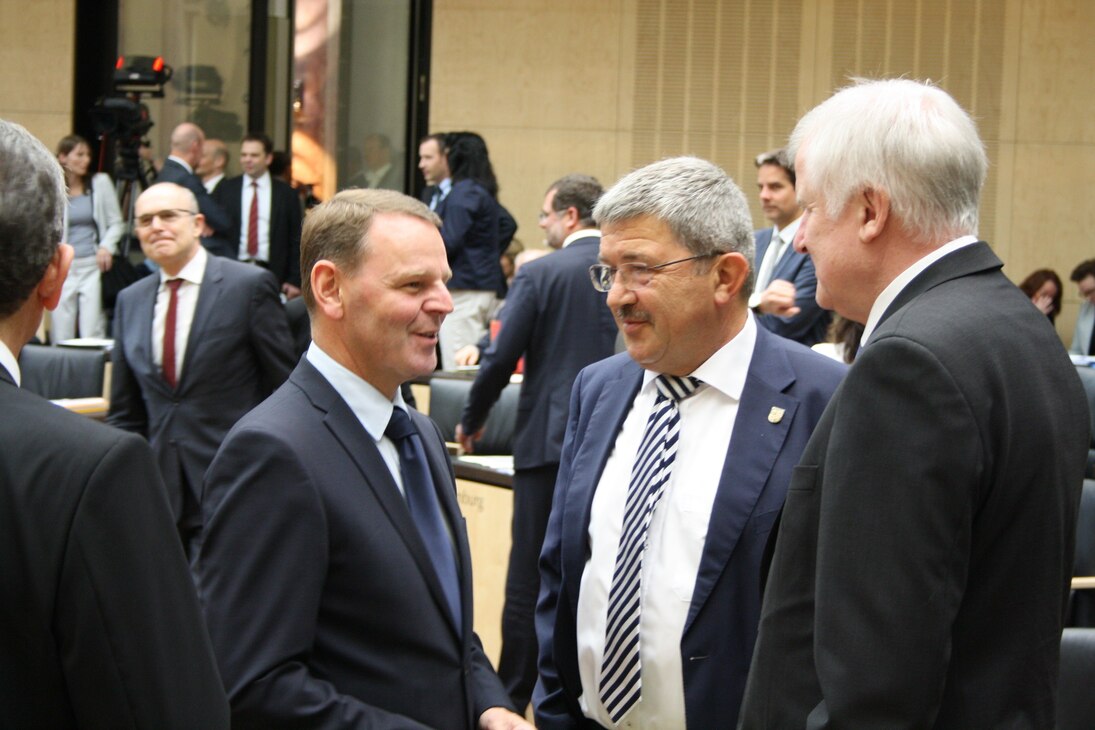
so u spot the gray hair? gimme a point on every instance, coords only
(32, 209)
(700, 204)
(908, 138)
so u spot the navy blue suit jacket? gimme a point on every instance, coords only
(810, 325)
(560, 323)
(470, 226)
(285, 224)
(322, 603)
(238, 352)
(215, 216)
(722, 621)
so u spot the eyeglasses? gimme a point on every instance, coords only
(168, 216)
(632, 276)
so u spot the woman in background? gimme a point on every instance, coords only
(1044, 289)
(93, 227)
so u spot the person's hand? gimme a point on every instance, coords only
(1044, 302)
(499, 718)
(467, 355)
(779, 299)
(290, 291)
(104, 259)
(467, 440)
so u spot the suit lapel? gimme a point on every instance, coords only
(971, 259)
(613, 403)
(763, 240)
(139, 332)
(208, 293)
(359, 446)
(754, 447)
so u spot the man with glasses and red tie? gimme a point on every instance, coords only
(675, 464)
(194, 348)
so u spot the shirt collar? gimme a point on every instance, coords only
(445, 186)
(10, 363)
(370, 406)
(263, 180)
(728, 367)
(895, 287)
(194, 270)
(581, 233)
(787, 235)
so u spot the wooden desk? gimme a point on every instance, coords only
(488, 513)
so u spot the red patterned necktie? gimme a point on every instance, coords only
(169, 332)
(253, 222)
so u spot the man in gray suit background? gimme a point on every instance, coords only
(925, 549)
(195, 347)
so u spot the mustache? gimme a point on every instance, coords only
(630, 313)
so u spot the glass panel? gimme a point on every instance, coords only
(207, 45)
(350, 94)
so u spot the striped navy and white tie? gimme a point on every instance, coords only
(621, 675)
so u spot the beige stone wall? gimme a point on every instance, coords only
(558, 86)
(36, 58)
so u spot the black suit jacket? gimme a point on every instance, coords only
(560, 323)
(214, 214)
(238, 352)
(322, 602)
(101, 626)
(285, 224)
(924, 554)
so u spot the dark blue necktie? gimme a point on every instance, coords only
(423, 504)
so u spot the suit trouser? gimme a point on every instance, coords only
(81, 301)
(532, 493)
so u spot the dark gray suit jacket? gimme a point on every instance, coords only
(924, 554)
(101, 626)
(322, 602)
(239, 351)
(560, 323)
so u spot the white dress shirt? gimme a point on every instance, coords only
(373, 177)
(581, 233)
(192, 275)
(265, 191)
(211, 183)
(10, 363)
(675, 540)
(370, 406)
(895, 287)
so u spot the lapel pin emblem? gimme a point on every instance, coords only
(775, 415)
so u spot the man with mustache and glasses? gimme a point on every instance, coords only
(675, 464)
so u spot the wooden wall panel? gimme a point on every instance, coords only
(544, 83)
(36, 53)
(619, 83)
